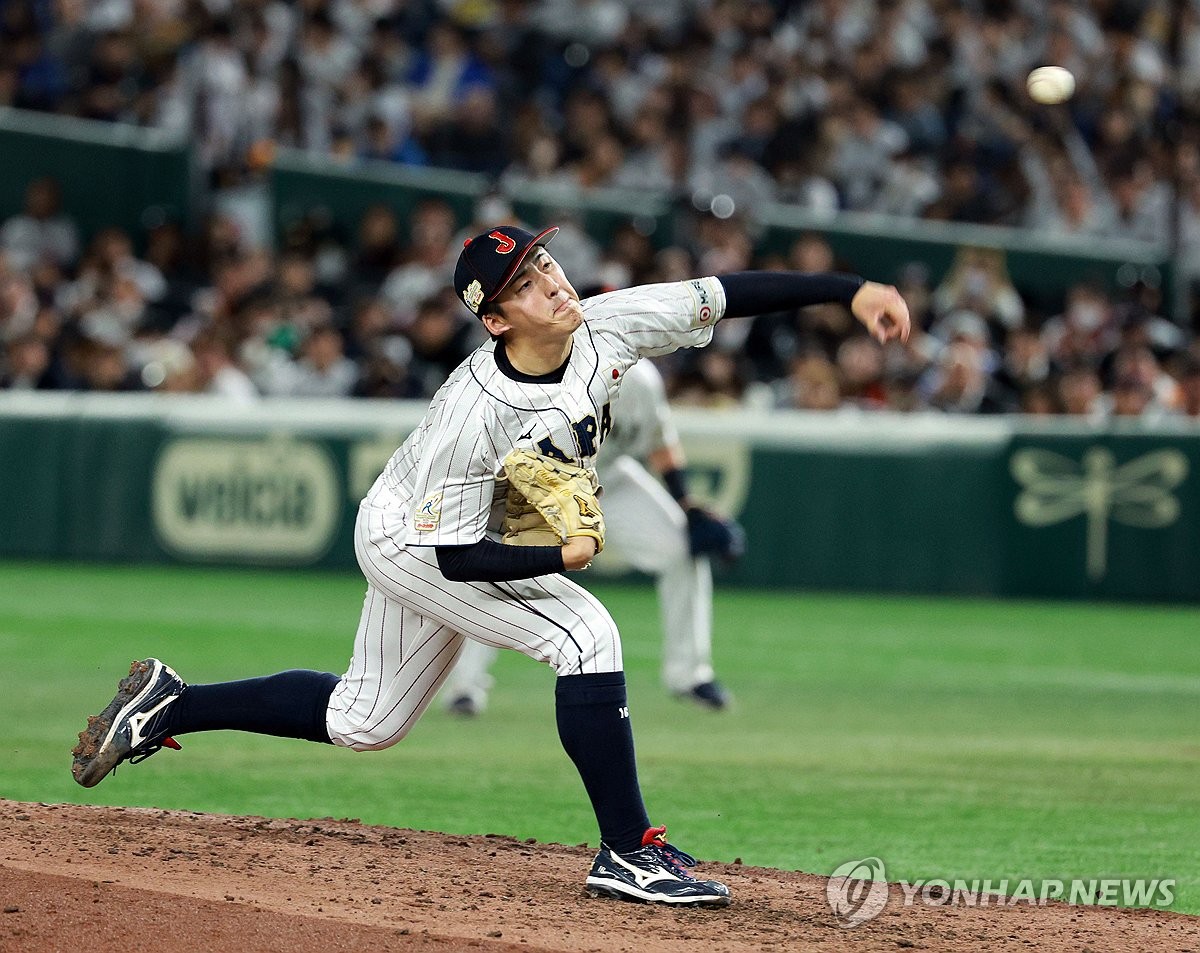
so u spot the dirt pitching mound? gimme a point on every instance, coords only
(96, 879)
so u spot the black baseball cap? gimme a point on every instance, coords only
(489, 261)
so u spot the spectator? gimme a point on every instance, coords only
(378, 249)
(100, 357)
(217, 373)
(426, 261)
(916, 114)
(1188, 375)
(909, 186)
(440, 338)
(322, 370)
(860, 368)
(472, 138)
(963, 196)
(712, 379)
(326, 56)
(1134, 363)
(1141, 202)
(960, 384)
(41, 231)
(215, 82)
(735, 183)
(978, 281)
(1079, 392)
(444, 71)
(812, 384)
(865, 144)
(1085, 332)
(1132, 398)
(1040, 400)
(597, 167)
(389, 141)
(1025, 365)
(26, 364)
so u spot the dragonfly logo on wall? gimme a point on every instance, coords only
(1137, 493)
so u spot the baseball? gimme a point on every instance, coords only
(1050, 85)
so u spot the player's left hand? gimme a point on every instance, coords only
(882, 311)
(713, 535)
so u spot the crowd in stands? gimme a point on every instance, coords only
(911, 108)
(375, 317)
(905, 107)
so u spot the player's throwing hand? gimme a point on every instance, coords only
(882, 311)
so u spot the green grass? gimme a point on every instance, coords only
(954, 738)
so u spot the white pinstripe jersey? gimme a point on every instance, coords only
(448, 475)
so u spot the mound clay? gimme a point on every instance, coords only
(94, 879)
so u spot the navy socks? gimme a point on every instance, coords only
(593, 725)
(291, 704)
(591, 710)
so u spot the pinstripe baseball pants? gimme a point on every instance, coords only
(414, 622)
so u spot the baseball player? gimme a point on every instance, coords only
(658, 531)
(504, 455)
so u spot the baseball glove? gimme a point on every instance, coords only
(550, 501)
(712, 535)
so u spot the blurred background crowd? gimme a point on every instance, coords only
(909, 108)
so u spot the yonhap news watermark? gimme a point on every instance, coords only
(858, 891)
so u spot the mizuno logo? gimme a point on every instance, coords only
(139, 721)
(645, 878)
(526, 435)
(584, 510)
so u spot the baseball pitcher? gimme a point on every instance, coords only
(470, 531)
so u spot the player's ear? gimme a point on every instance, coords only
(494, 321)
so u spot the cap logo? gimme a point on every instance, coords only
(473, 295)
(504, 244)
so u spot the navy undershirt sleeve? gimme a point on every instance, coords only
(489, 561)
(763, 292)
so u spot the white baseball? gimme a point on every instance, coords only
(1050, 85)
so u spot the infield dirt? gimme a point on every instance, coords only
(97, 879)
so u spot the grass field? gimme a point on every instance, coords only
(958, 738)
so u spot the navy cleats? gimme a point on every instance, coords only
(132, 727)
(654, 873)
(708, 695)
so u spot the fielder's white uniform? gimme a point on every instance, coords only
(645, 528)
(445, 486)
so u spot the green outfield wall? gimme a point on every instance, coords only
(998, 506)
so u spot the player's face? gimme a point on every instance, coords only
(539, 302)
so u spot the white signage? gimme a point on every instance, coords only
(273, 498)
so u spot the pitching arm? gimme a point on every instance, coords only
(878, 307)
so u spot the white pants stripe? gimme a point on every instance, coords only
(414, 622)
